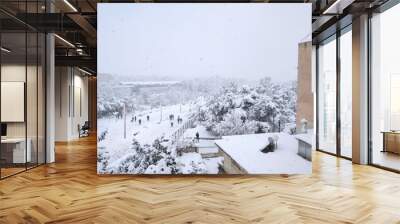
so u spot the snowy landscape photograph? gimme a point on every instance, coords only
(204, 89)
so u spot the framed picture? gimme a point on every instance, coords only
(204, 88)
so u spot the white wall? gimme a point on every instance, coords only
(9, 73)
(81, 114)
(12, 73)
(34, 125)
(71, 94)
(62, 81)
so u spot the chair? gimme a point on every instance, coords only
(84, 130)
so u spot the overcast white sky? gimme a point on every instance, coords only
(197, 40)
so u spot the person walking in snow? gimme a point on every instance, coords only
(119, 114)
(243, 118)
(148, 118)
(140, 121)
(197, 137)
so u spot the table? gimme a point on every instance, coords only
(391, 141)
(13, 150)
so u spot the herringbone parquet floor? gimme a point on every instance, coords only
(70, 191)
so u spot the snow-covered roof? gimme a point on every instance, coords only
(245, 150)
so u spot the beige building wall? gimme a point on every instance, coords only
(305, 97)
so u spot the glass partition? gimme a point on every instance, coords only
(13, 109)
(346, 93)
(23, 91)
(327, 96)
(385, 89)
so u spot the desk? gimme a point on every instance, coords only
(13, 150)
(391, 141)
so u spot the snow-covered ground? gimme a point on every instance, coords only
(145, 133)
(191, 132)
(204, 145)
(118, 148)
(246, 151)
(204, 166)
(158, 125)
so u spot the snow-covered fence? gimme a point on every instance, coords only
(175, 136)
(186, 149)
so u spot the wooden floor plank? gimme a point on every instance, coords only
(70, 191)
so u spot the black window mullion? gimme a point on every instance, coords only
(317, 96)
(26, 87)
(0, 98)
(369, 90)
(37, 90)
(338, 96)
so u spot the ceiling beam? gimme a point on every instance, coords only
(86, 27)
(49, 22)
(78, 61)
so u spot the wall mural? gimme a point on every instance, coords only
(204, 89)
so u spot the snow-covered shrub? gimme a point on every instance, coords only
(198, 168)
(160, 168)
(290, 128)
(234, 124)
(155, 158)
(102, 161)
(262, 127)
(109, 108)
(266, 107)
(102, 136)
(114, 106)
(192, 163)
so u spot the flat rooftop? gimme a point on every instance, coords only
(246, 151)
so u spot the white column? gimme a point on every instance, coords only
(50, 99)
(360, 90)
(50, 92)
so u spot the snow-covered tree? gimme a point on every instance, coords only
(266, 107)
(155, 158)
